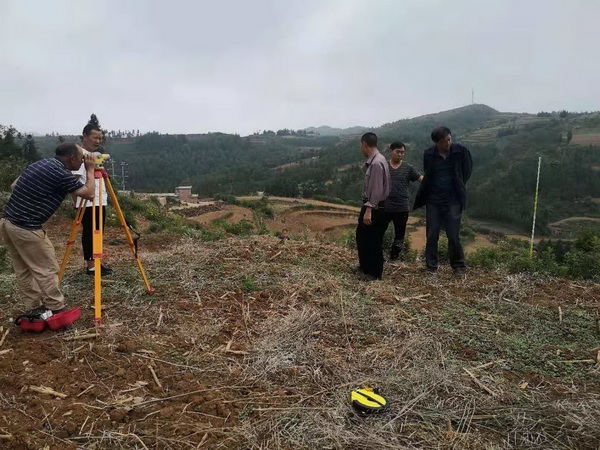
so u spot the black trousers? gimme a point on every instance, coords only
(450, 217)
(369, 242)
(87, 230)
(399, 220)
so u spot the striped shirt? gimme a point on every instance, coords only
(39, 191)
(398, 200)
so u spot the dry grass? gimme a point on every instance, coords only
(257, 345)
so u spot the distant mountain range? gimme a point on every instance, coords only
(330, 131)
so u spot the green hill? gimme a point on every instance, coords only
(505, 148)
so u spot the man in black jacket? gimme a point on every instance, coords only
(447, 169)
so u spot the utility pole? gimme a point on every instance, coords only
(472, 96)
(123, 175)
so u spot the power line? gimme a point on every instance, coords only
(124, 174)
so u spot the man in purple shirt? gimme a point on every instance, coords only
(371, 221)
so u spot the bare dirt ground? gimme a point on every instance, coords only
(315, 222)
(586, 138)
(332, 221)
(251, 344)
(305, 201)
(574, 219)
(231, 213)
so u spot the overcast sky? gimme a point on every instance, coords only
(247, 65)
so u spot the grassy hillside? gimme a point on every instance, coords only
(249, 343)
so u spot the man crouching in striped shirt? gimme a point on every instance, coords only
(36, 195)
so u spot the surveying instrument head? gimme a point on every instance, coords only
(100, 159)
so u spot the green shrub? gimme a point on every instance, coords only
(582, 261)
(261, 206)
(130, 203)
(10, 169)
(467, 233)
(409, 254)
(5, 263)
(153, 211)
(584, 265)
(227, 198)
(4, 196)
(347, 239)
(211, 235)
(242, 228)
(587, 241)
(173, 201)
(248, 284)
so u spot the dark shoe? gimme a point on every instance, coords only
(103, 271)
(35, 311)
(58, 311)
(459, 272)
(396, 251)
(39, 313)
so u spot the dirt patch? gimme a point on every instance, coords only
(586, 139)
(305, 201)
(231, 213)
(574, 219)
(313, 222)
(194, 211)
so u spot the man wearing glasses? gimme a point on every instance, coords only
(447, 168)
(397, 205)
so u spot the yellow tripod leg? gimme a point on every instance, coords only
(97, 254)
(117, 207)
(72, 235)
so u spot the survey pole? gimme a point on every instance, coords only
(535, 203)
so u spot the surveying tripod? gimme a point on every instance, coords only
(101, 175)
